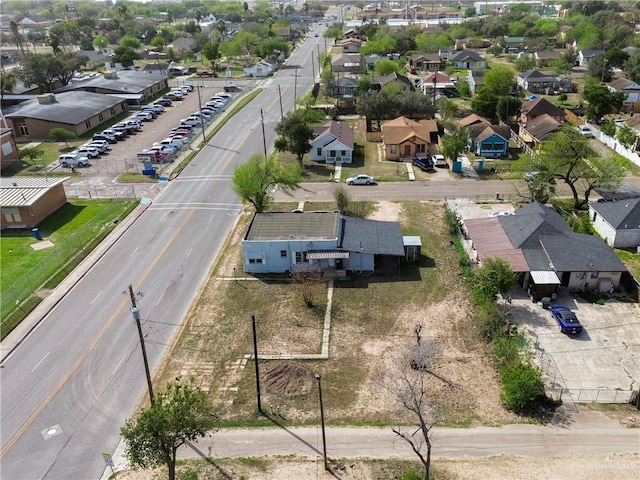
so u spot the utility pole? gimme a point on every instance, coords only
(280, 97)
(255, 359)
(136, 316)
(295, 88)
(324, 438)
(313, 68)
(204, 137)
(264, 138)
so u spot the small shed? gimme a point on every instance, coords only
(412, 248)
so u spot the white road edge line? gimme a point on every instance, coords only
(118, 365)
(38, 364)
(160, 299)
(134, 252)
(96, 297)
(190, 250)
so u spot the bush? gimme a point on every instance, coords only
(451, 221)
(412, 475)
(522, 387)
(562, 97)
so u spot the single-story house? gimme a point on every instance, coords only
(475, 79)
(9, 147)
(350, 45)
(585, 56)
(348, 63)
(545, 57)
(332, 143)
(370, 60)
(344, 85)
(513, 44)
(545, 252)
(378, 82)
(351, 33)
(78, 112)
(26, 201)
(260, 69)
(540, 106)
(181, 44)
(320, 242)
(425, 62)
(468, 60)
(403, 138)
(632, 91)
(437, 83)
(473, 119)
(490, 141)
(539, 129)
(535, 81)
(617, 222)
(136, 88)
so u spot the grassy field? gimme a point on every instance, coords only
(370, 316)
(74, 230)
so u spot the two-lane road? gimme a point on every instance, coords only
(67, 389)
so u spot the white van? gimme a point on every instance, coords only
(194, 122)
(73, 161)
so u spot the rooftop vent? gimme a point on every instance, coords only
(46, 98)
(110, 74)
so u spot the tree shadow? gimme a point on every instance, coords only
(226, 475)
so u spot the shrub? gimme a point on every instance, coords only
(562, 97)
(522, 387)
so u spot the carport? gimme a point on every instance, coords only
(543, 284)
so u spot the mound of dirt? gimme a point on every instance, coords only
(288, 379)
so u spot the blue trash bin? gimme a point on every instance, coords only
(36, 233)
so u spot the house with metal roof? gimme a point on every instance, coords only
(78, 112)
(617, 222)
(545, 252)
(332, 143)
(26, 201)
(320, 242)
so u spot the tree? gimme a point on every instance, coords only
(542, 187)
(454, 142)
(507, 107)
(125, 56)
(601, 100)
(525, 62)
(632, 67)
(101, 42)
(8, 82)
(61, 135)
(406, 380)
(498, 83)
(626, 136)
(294, 134)
(493, 277)
(386, 66)
(334, 32)
(349, 207)
(600, 68)
(568, 157)
(211, 51)
(180, 413)
(30, 153)
(254, 180)
(130, 42)
(157, 43)
(17, 36)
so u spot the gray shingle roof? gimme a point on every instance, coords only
(621, 214)
(581, 253)
(287, 225)
(128, 81)
(71, 108)
(466, 55)
(372, 236)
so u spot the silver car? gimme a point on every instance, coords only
(361, 180)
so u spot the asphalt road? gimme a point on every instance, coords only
(67, 389)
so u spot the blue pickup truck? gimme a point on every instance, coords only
(423, 163)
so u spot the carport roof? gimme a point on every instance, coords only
(545, 277)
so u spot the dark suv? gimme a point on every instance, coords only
(423, 163)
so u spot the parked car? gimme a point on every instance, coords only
(145, 116)
(70, 160)
(86, 151)
(222, 94)
(361, 179)
(180, 131)
(156, 106)
(165, 149)
(165, 102)
(196, 122)
(438, 160)
(529, 176)
(105, 137)
(232, 88)
(172, 96)
(210, 111)
(585, 130)
(567, 320)
(117, 134)
(423, 163)
(134, 123)
(500, 214)
(123, 128)
(101, 145)
(173, 142)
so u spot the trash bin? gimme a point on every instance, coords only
(36, 233)
(546, 303)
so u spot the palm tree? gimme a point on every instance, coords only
(198, 15)
(170, 17)
(17, 36)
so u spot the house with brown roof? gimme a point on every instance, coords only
(632, 91)
(27, 201)
(545, 57)
(540, 106)
(473, 119)
(403, 138)
(425, 62)
(539, 129)
(350, 45)
(351, 33)
(437, 84)
(332, 143)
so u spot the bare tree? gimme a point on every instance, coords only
(406, 381)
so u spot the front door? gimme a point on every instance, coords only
(407, 150)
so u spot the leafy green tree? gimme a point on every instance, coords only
(274, 46)
(211, 51)
(294, 134)
(126, 56)
(249, 41)
(568, 157)
(46, 69)
(377, 105)
(525, 62)
(158, 43)
(180, 413)
(30, 153)
(334, 32)
(599, 68)
(627, 136)
(507, 108)
(542, 187)
(8, 81)
(632, 67)
(130, 42)
(61, 135)
(254, 180)
(498, 83)
(601, 100)
(101, 42)
(608, 128)
(494, 277)
(522, 387)
(386, 66)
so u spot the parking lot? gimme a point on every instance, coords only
(121, 157)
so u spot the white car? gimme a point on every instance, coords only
(173, 142)
(500, 214)
(439, 160)
(165, 149)
(86, 151)
(585, 130)
(101, 145)
(361, 179)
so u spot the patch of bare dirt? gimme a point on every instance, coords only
(288, 379)
(386, 211)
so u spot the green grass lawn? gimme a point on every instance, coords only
(75, 229)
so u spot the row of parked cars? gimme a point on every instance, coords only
(179, 136)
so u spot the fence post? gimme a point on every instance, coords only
(597, 395)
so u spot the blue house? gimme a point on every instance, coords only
(489, 141)
(322, 242)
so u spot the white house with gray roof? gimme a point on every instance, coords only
(320, 242)
(617, 222)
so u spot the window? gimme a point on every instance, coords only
(393, 148)
(87, 124)
(24, 131)
(12, 215)
(332, 153)
(301, 257)
(7, 148)
(100, 117)
(343, 153)
(283, 254)
(255, 260)
(319, 151)
(498, 146)
(421, 148)
(112, 111)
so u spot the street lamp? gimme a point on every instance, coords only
(324, 438)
